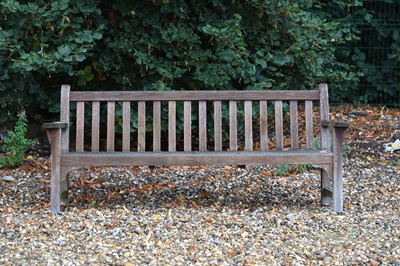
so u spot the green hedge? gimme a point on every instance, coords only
(167, 45)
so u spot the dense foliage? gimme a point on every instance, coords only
(162, 45)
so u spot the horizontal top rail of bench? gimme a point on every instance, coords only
(228, 95)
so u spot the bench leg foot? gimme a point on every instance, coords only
(326, 188)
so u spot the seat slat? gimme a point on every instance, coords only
(263, 125)
(232, 126)
(279, 125)
(197, 158)
(294, 125)
(95, 126)
(80, 123)
(171, 126)
(126, 126)
(110, 125)
(157, 126)
(248, 125)
(217, 126)
(187, 126)
(309, 125)
(202, 126)
(141, 126)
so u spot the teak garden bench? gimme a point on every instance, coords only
(215, 110)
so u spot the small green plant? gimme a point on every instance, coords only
(16, 144)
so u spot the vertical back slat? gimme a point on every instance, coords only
(141, 126)
(217, 126)
(309, 125)
(126, 126)
(187, 126)
(232, 125)
(248, 125)
(80, 124)
(263, 125)
(95, 126)
(157, 126)
(324, 116)
(171, 126)
(294, 125)
(279, 125)
(110, 125)
(64, 116)
(202, 125)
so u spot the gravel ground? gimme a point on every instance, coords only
(206, 216)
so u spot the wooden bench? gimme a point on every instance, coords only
(215, 110)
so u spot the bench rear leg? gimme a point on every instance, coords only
(326, 187)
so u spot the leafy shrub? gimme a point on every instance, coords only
(163, 45)
(15, 144)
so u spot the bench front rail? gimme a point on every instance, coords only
(257, 131)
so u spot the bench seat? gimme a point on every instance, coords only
(197, 158)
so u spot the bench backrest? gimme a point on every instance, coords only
(246, 109)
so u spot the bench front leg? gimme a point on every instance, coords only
(53, 131)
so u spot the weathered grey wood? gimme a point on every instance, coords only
(95, 126)
(55, 125)
(110, 126)
(263, 125)
(80, 123)
(309, 125)
(65, 116)
(266, 95)
(202, 126)
(171, 126)
(279, 125)
(187, 126)
(197, 158)
(248, 125)
(55, 193)
(329, 161)
(294, 125)
(157, 126)
(326, 198)
(338, 137)
(217, 126)
(232, 126)
(126, 126)
(141, 126)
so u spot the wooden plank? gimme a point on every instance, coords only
(232, 125)
(157, 126)
(279, 125)
(324, 116)
(110, 125)
(263, 125)
(65, 116)
(80, 124)
(197, 158)
(248, 125)
(325, 142)
(294, 125)
(309, 125)
(141, 126)
(187, 126)
(171, 126)
(95, 126)
(227, 95)
(217, 126)
(55, 183)
(126, 126)
(202, 125)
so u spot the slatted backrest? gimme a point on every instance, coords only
(215, 112)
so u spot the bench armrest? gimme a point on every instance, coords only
(335, 124)
(56, 125)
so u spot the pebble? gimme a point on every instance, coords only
(8, 178)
